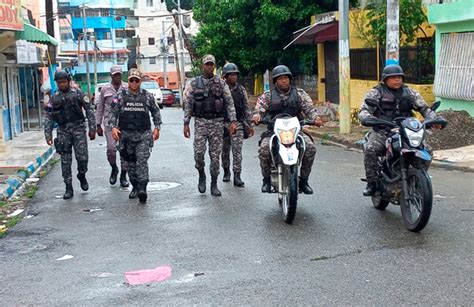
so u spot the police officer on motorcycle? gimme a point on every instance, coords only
(285, 98)
(396, 99)
(66, 109)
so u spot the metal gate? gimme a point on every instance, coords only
(331, 61)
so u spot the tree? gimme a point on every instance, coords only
(252, 33)
(412, 15)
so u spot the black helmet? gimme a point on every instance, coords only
(229, 68)
(62, 74)
(392, 70)
(281, 70)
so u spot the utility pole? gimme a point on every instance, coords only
(177, 66)
(95, 62)
(112, 34)
(344, 69)
(164, 51)
(86, 50)
(393, 34)
(180, 36)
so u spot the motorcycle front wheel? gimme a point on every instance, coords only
(416, 208)
(290, 195)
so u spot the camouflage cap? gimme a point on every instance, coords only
(134, 73)
(115, 70)
(208, 58)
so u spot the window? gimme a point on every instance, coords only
(151, 41)
(171, 60)
(153, 60)
(149, 3)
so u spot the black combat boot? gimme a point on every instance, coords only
(202, 181)
(237, 181)
(123, 179)
(142, 196)
(304, 186)
(267, 185)
(133, 194)
(83, 180)
(69, 191)
(113, 174)
(214, 190)
(370, 188)
(226, 177)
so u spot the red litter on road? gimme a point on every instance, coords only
(158, 274)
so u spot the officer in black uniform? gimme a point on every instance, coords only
(66, 109)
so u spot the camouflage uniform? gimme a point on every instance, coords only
(135, 141)
(66, 109)
(306, 106)
(208, 129)
(106, 98)
(375, 145)
(235, 141)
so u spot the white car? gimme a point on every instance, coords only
(154, 88)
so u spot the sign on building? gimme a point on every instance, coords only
(10, 15)
(26, 52)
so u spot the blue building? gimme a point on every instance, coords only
(109, 25)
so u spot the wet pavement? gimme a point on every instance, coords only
(236, 249)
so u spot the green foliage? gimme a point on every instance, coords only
(185, 4)
(253, 33)
(411, 17)
(31, 191)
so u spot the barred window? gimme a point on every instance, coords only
(455, 70)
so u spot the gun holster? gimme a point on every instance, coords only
(62, 147)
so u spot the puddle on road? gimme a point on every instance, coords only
(157, 186)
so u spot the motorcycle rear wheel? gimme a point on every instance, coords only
(416, 210)
(290, 198)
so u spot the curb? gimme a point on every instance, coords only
(341, 142)
(14, 182)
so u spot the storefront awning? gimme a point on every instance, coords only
(35, 35)
(316, 33)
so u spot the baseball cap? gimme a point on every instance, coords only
(115, 70)
(208, 58)
(134, 73)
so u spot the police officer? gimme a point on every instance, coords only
(396, 100)
(285, 98)
(230, 72)
(66, 109)
(207, 99)
(130, 122)
(107, 95)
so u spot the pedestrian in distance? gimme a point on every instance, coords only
(131, 127)
(230, 73)
(207, 99)
(66, 109)
(108, 94)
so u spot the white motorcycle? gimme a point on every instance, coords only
(287, 149)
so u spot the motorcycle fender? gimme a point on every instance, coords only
(422, 154)
(289, 155)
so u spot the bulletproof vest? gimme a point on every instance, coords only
(208, 99)
(290, 104)
(135, 114)
(239, 102)
(66, 108)
(394, 103)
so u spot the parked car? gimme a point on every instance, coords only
(178, 97)
(169, 98)
(98, 87)
(153, 87)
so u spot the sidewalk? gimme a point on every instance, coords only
(454, 159)
(24, 156)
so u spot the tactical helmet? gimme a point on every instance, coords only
(281, 70)
(392, 70)
(62, 74)
(229, 68)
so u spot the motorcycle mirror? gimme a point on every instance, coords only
(372, 102)
(435, 105)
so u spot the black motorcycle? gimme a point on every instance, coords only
(403, 179)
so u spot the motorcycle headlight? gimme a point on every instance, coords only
(415, 137)
(287, 137)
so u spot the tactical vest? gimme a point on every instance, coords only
(66, 108)
(208, 99)
(135, 114)
(394, 105)
(290, 105)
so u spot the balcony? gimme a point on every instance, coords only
(104, 44)
(99, 23)
(102, 67)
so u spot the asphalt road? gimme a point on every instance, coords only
(236, 249)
